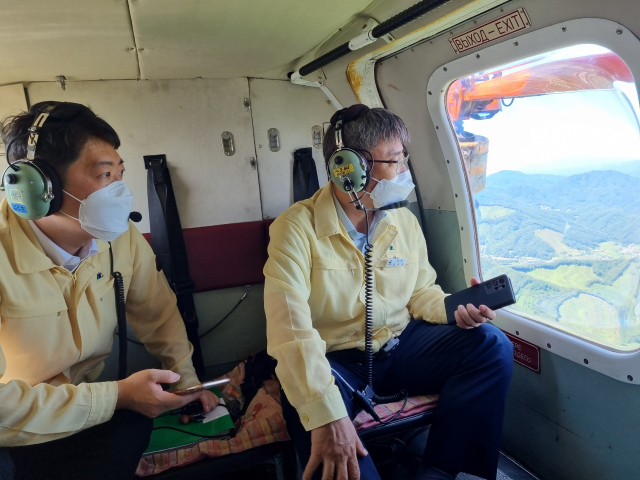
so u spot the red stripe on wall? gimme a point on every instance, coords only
(225, 256)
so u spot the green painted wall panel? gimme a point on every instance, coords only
(243, 333)
(572, 423)
(445, 250)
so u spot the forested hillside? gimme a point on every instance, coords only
(571, 245)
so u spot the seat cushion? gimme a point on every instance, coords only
(415, 405)
(260, 425)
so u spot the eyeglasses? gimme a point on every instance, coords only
(401, 164)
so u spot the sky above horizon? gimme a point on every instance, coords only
(549, 132)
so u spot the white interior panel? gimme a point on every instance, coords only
(182, 119)
(293, 110)
(12, 101)
(41, 39)
(241, 38)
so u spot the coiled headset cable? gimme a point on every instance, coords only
(121, 313)
(366, 397)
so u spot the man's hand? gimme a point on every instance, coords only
(335, 445)
(470, 316)
(208, 400)
(142, 392)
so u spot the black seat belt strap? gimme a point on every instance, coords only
(168, 244)
(305, 175)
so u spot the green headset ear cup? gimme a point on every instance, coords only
(56, 186)
(348, 170)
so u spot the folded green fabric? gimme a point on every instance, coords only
(163, 438)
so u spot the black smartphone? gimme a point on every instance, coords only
(494, 293)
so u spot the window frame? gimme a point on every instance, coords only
(623, 366)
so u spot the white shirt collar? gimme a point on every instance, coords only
(61, 257)
(351, 230)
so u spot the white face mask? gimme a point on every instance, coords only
(389, 191)
(105, 213)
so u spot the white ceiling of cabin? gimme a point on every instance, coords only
(93, 40)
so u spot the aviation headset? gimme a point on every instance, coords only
(34, 189)
(347, 168)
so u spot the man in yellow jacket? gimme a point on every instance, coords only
(315, 307)
(58, 313)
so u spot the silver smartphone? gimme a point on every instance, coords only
(202, 386)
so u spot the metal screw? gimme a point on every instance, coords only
(477, 55)
(517, 333)
(437, 127)
(328, 102)
(131, 48)
(502, 9)
(515, 44)
(456, 195)
(586, 362)
(548, 345)
(141, 49)
(444, 68)
(564, 29)
(619, 32)
(259, 145)
(630, 378)
(475, 22)
(252, 162)
(461, 228)
(429, 92)
(465, 260)
(448, 161)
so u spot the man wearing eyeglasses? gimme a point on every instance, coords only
(315, 307)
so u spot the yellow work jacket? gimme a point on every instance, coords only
(315, 296)
(57, 327)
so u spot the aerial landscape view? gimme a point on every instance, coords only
(571, 246)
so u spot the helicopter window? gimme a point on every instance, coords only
(551, 150)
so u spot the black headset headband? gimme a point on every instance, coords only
(349, 114)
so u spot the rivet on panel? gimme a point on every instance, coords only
(515, 44)
(437, 127)
(502, 9)
(461, 228)
(564, 29)
(465, 260)
(448, 161)
(141, 49)
(586, 362)
(619, 32)
(548, 345)
(131, 48)
(456, 195)
(429, 92)
(444, 68)
(517, 333)
(477, 55)
(630, 378)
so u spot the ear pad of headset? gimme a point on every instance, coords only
(347, 170)
(56, 185)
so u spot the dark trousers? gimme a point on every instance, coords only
(470, 369)
(109, 451)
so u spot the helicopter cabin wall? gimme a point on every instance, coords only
(568, 421)
(184, 119)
